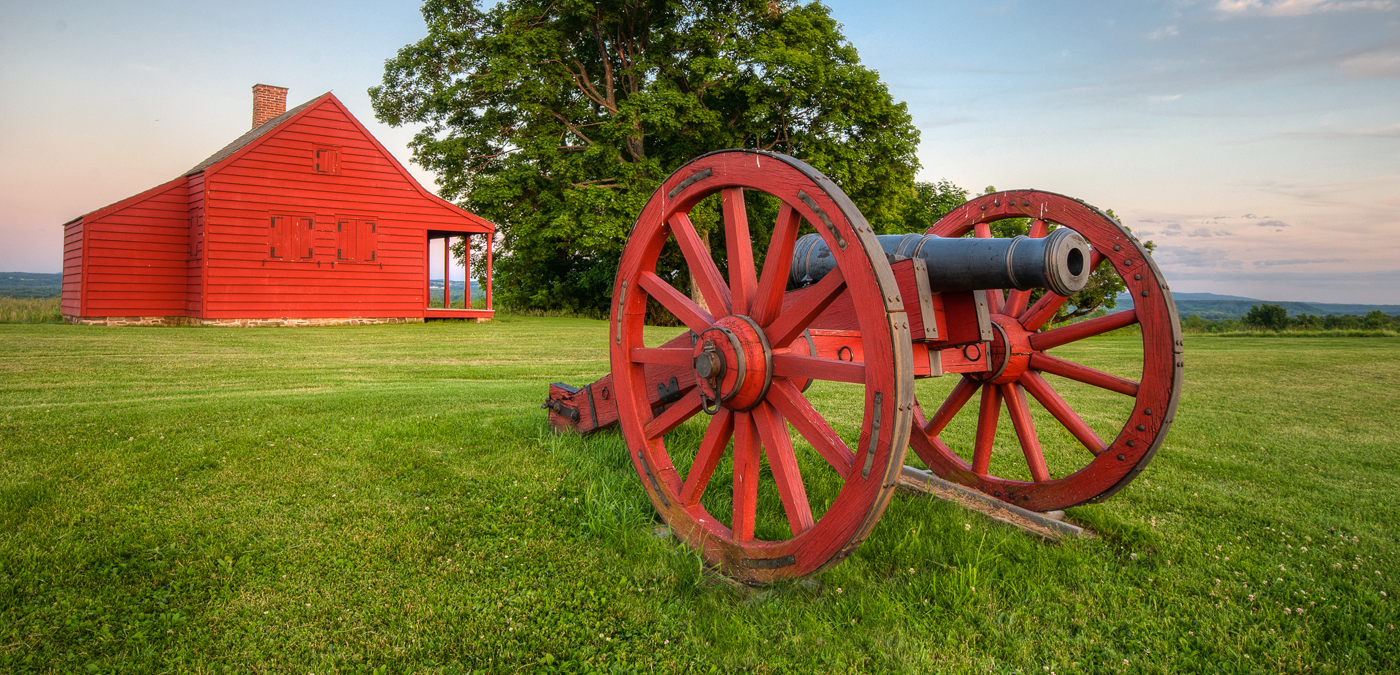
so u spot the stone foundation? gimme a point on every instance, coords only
(236, 323)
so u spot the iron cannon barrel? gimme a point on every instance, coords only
(1058, 262)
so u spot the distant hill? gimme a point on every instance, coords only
(1218, 307)
(435, 286)
(30, 285)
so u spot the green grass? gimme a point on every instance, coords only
(30, 310)
(389, 499)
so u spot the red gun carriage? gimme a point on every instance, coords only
(810, 469)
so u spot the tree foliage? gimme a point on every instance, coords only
(1265, 315)
(557, 120)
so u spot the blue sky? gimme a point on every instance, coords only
(1256, 141)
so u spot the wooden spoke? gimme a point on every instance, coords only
(982, 230)
(1020, 410)
(815, 299)
(995, 300)
(803, 367)
(777, 445)
(742, 281)
(1044, 308)
(961, 394)
(776, 265)
(1048, 397)
(1016, 302)
(798, 410)
(717, 437)
(679, 412)
(746, 465)
(987, 417)
(1063, 335)
(1085, 374)
(702, 265)
(684, 308)
(1039, 228)
(662, 356)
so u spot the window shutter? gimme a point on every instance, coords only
(369, 240)
(344, 240)
(327, 160)
(277, 235)
(306, 242)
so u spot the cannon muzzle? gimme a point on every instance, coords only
(1058, 262)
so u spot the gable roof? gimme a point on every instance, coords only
(253, 134)
(256, 135)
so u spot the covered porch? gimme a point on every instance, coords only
(438, 244)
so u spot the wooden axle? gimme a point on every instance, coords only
(960, 318)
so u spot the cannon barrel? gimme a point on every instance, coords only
(1058, 262)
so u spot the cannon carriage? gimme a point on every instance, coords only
(770, 433)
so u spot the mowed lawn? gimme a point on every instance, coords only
(390, 499)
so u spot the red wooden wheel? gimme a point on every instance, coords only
(745, 360)
(1022, 354)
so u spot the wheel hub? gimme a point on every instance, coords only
(733, 362)
(1010, 351)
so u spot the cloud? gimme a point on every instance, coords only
(1164, 31)
(1205, 257)
(1373, 65)
(1273, 223)
(1392, 131)
(1300, 7)
(1201, 232)
(1163, 99)
(1299, 261)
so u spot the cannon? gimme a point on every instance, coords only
(770, 433)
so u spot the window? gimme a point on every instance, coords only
(291, 237)
(357, 240)
(327, 159)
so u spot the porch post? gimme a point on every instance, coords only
(490, 244)
(446, 277)
(467, 268)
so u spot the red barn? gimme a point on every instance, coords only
(304, 220)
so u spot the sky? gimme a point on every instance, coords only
(1257, 142)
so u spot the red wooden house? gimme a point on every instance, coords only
(304, 220)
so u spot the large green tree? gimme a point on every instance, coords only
(558, 119)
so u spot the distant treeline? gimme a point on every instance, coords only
(1269, 317)
(30, 285)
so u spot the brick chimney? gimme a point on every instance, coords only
(268, 102)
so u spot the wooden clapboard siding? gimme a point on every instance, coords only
(71, 302)
(201, 245)
(134, 255)
(278, 176)
(194, 268)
